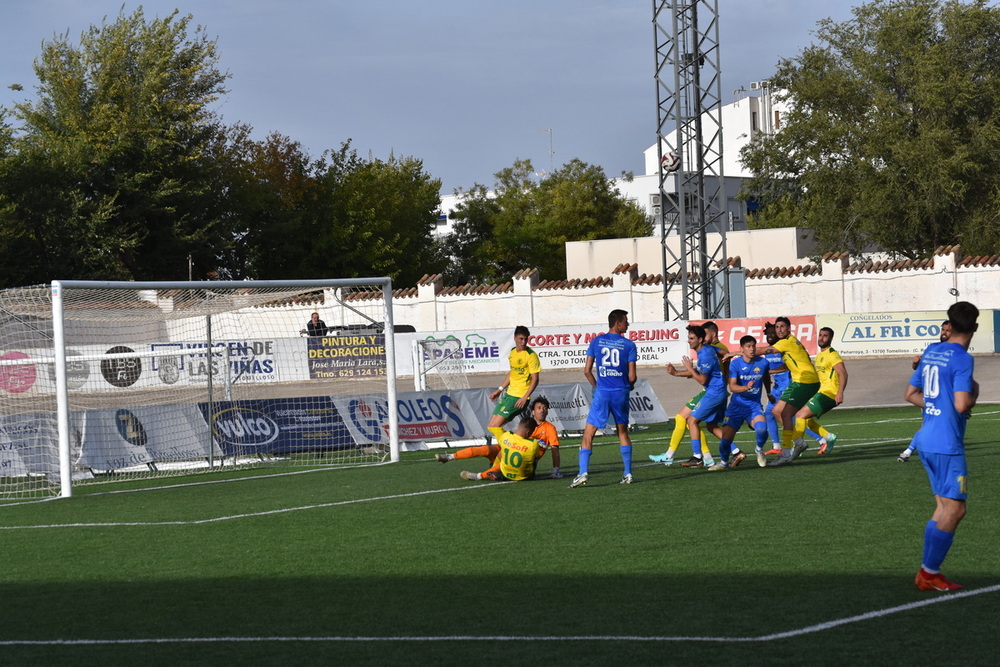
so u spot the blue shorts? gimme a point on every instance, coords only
(711, 408)
(739, 413)
(948, 474)
(607, 402)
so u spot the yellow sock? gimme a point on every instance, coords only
(816, 427)
(680, 428)
(799, 429)
(786, 439)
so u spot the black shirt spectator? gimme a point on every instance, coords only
(315, 326)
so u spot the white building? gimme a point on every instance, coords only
(754, 111)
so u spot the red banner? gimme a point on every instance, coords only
(730, 331)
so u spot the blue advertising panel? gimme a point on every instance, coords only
(278, 426)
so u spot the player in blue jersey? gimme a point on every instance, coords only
(613, 356)
(944, 388)
(706, 370)
(749, 378)
(703, 456)
(904, 456)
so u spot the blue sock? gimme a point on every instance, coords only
(725, 449)
(815, 436)
(584, 460)
(772, 425)
(927, 540)
(760, 428)
(937, 545)
(626, 451)
(696, 447)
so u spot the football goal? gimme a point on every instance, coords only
(123, 380)
(438, 364)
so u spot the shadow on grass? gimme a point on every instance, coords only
(643, 610)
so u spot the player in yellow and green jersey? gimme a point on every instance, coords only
(515, 392)
(804, 385)
(512, 458)
(832, 383)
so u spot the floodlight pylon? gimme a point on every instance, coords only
(693, 204)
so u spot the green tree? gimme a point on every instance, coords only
(109, 169)
(472, 242)
(269, 195)
(526, 223)
(891, 135)
(385, 213)
(340, 216)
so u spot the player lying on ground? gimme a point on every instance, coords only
(513, 457)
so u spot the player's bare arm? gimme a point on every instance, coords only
(693, 372)
(588, 372)
(841, 371)
(495, 394)
(523, 401)
(914, 395)
(672, 370)
(965, 401)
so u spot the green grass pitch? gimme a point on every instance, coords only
(811, 563)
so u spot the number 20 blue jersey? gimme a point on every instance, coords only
(612, 354)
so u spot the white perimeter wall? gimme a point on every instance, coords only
(833, 290)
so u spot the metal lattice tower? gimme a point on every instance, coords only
(693, 205)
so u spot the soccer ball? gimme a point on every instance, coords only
(670, 162)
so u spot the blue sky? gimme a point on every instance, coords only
(467, 86)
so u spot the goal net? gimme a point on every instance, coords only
(438, 364)
(109, 381)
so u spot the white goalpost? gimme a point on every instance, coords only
(123, 380)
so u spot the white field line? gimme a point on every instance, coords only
(819, 627)
(248, 515)
(788, 634)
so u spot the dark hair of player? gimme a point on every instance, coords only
(616, 316)
(541, 399)
(963, 316)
